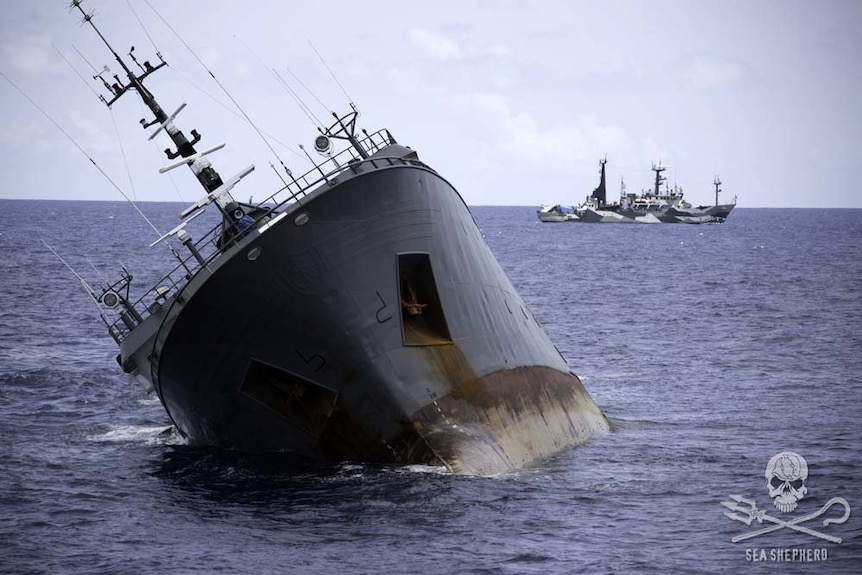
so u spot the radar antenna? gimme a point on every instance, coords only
(185, 148)
(659, 179)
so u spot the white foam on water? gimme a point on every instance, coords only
(437, 469)
(149, 401)
(146, 434)
(352, 470)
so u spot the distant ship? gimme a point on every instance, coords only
(356, 313)
(655, 206)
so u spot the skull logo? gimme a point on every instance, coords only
(786, 473)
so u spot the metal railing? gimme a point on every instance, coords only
(215, 242)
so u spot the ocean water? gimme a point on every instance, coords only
(710, 348)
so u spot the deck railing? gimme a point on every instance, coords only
(212, 244)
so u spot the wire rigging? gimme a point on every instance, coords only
(83, 152)
(123, 153)
(346, 95)
(229, 110)
(84, 58)
(84, 283)
(113, 119)
(75, 70)
(298, 101)
(307, 89)
(235, 103)
(302, 106)
(138, 18)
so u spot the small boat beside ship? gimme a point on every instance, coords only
(656, 206)
(556, 213)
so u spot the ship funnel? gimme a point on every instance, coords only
(600, 193)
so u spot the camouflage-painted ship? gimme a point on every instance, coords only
(356, 313)
(656, 206)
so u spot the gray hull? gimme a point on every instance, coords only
(297, 340)
(705, 215)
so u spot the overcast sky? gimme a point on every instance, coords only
(513, 102)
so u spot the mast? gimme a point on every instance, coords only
(600, 193)
(623, 199)
(659, 179)
(717, 184)
(201, 167)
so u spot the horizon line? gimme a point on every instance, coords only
(469, 205)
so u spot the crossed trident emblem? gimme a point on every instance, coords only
(752, 513)
(786, 475)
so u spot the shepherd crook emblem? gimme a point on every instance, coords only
(752, 512)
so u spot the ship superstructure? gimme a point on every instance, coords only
(661, 204)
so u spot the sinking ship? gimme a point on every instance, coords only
(656, 206)
(355, 313)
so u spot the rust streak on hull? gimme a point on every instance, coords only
(501, 421)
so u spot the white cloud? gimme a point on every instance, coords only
(358, 69)
(537, 147)
(435, 45)
(406, 79)
(30, 54)
(498, 50)
(713, 72)
(12, 134)
(653, 152)
(211, 57)
(83, 123)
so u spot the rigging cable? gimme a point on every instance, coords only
(156, 48)
(235, 103)
(84, 283)
(75, 70)
(302, 106)
(84, 58)
(98, 272)
(123, 152)
(80, 149)
(231, 111)
(307, 89)
(298, 101)
(116, 129)
(349, 99)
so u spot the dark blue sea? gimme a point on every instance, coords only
(710, 348)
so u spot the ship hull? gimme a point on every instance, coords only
(706, 215)
(554, 218)
(372, 322)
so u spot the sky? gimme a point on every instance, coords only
(513, 102)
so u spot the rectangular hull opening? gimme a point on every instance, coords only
(422, 319)
(304, 403)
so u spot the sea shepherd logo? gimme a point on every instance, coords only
(786, 476)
